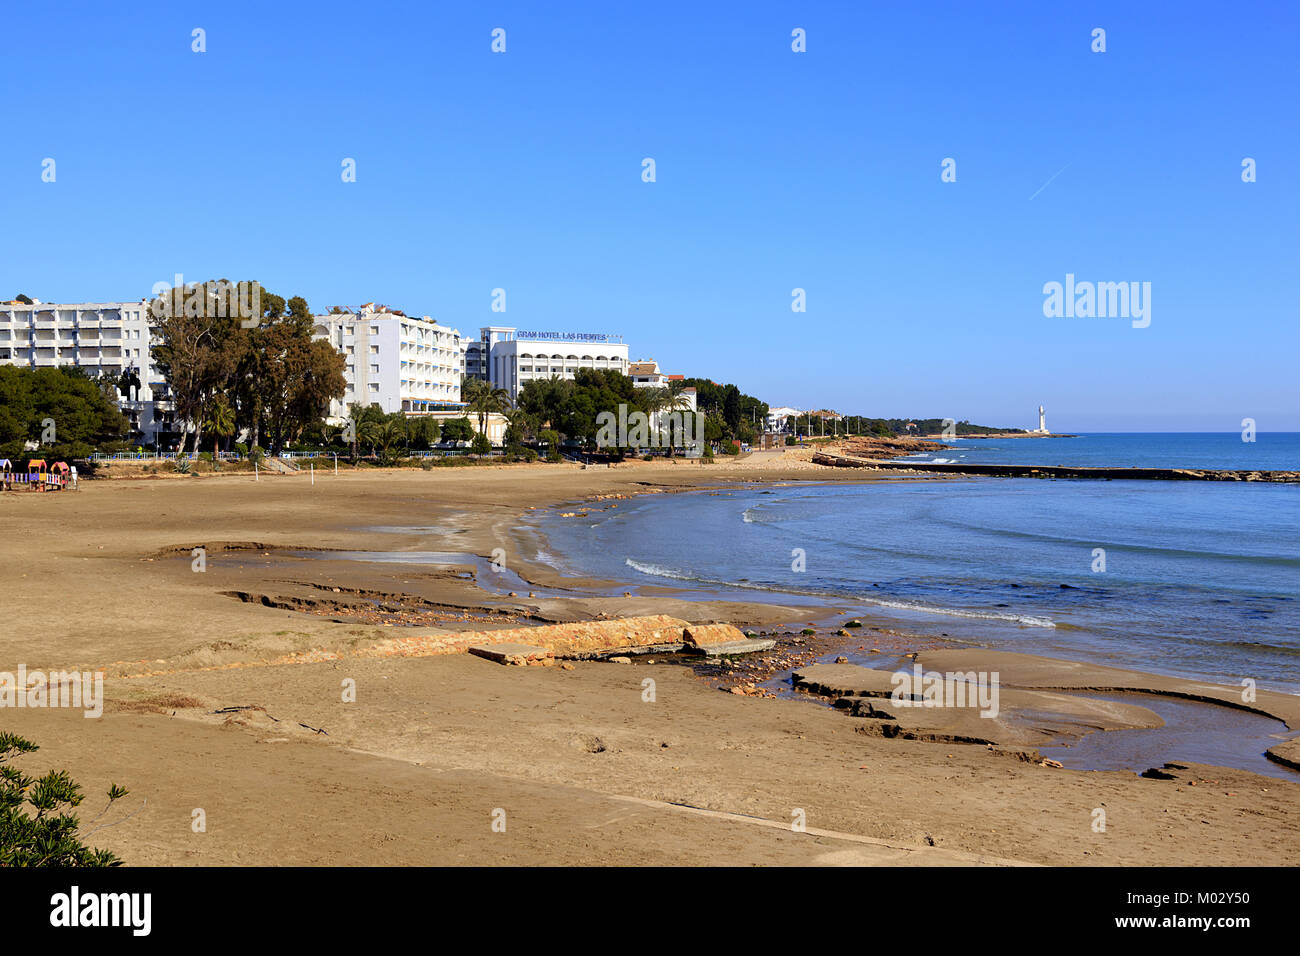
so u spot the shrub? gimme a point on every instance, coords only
(182, 466)
(36, 828)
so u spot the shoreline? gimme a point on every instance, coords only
(115, 559)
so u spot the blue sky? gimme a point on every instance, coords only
(775, 170)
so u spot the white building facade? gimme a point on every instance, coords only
(778, 418)
(400, 363)
(509, 358)
(106, 339)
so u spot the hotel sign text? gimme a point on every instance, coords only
(567, 336)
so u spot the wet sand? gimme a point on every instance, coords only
(586, 768)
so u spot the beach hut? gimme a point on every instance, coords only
(6, 474)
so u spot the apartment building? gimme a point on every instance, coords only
(107, 339)
(398, 362)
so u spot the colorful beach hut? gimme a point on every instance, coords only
(58, 479)
(37, 469)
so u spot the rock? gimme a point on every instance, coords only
(852, 623)
(841, 660)
(619, 660)
(704, 635)
(510, 653)
(735, 647)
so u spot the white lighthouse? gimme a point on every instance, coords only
(1042, 421)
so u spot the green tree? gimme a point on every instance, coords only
(291, 377)
(483, 399)
(457, 430)
(36, 827)
(200, 348)
(480, 444)
(62, 408)
(220, 421)
(551, 439)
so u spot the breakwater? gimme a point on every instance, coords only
(1057, 471)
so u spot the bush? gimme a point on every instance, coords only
(730, 448)
(182, 466)
(241, 449)
(35, 827)
(480, 445)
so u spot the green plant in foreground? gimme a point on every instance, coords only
(36, 828)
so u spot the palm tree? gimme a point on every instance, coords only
(668, 399)
(519, 423)
(484, 398)
(220, 422)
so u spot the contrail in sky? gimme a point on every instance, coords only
(1049, 182)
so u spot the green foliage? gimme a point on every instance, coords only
(735, 412)
(83, 414)
(551, 439)
(480, 445)
(457, 430)
(274, 378)
(36, 827)
(483, 399)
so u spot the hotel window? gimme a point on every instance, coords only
(374, 350)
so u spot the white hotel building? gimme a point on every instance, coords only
(400, 363)
(105, 339)
(509, 358)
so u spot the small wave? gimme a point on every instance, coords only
(748, 516)
(657, 571)
(1025, 619)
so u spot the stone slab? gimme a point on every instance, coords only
(509, 653)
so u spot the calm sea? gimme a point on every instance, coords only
(1198, 579)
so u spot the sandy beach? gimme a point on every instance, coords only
(224, 695)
